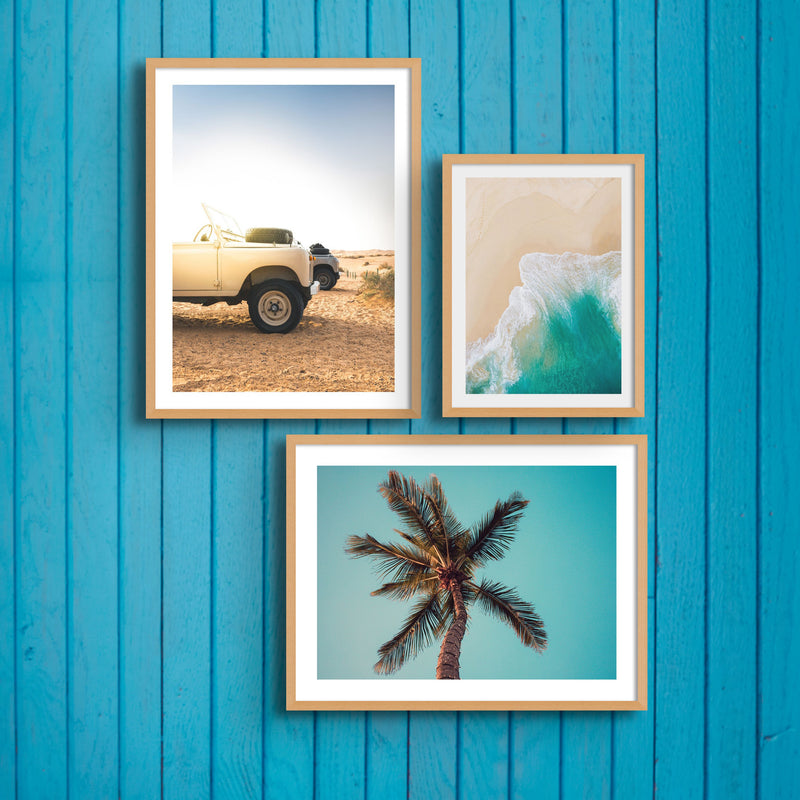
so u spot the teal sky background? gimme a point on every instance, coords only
(318, 160)
(563, 560)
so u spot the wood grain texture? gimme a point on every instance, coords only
(98, 507)
(8, 757)
(778, 710)
(681, 516)
(92, 385)
(140, 445)
(42, 168)
(732, 392)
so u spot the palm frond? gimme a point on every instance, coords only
(407, 588)
(452, 531)
(491, 537)
(410, 502)
(394, 561)
(418, 631)
(505, 604)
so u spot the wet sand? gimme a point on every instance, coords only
(509, 217)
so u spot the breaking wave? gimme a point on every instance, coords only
(560, 333)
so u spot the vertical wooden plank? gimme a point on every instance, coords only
(778, 727)
(636, 133)
(340, 742)
(92, 390)
(288, 748)
(237, 539)
(680, 452)
(8, 757)
(486, 91)
(289, 768)
(187, 535)
(237, 29)
(140, 474)
(732, 387)
(238, 607)
(387, 731)
(186, 610)
(433, 736)
(589, 128)
(41, 173)
(537, 35)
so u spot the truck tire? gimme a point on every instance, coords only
(326, 277)
(275, 306)
(269, 235)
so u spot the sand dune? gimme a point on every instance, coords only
(508, 217)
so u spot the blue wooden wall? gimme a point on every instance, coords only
(142, 563)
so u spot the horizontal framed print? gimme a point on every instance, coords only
(283, 238)
(466, 572)
(543, 286)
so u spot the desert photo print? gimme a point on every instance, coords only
(284, 243)
(542, 269)
(483, 569)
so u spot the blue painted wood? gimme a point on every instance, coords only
(289, 767)
(42, 164)
(140, 497)
(681, 514)
(92, 326)
(778, 711)
(733, 383)
(8, 757)
(633, 733)
(85, 505)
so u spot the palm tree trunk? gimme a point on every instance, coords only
(447, 667)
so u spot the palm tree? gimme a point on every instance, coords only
(436, 564)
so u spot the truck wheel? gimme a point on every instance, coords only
(326, 277)
(275, 306)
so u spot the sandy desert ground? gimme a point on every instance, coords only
(344, 343)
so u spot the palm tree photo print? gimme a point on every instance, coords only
(467, 572)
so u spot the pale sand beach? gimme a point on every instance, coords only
(509, 217)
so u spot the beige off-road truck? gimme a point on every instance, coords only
(222, 264)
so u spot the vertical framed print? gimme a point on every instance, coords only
(543, 287)
(283, 238)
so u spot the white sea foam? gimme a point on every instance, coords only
(550, 284)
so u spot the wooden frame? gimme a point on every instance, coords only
(308, 684)
(468, 337)
(400, 401)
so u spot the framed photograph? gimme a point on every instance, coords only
(283, 238)
(466, 572)
(543, 287)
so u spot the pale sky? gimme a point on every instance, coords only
(563, 560)
(318, 160)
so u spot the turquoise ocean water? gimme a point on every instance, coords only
(560, 333)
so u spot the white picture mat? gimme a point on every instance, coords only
(460, 398)
(310, 456)
(168, 77)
